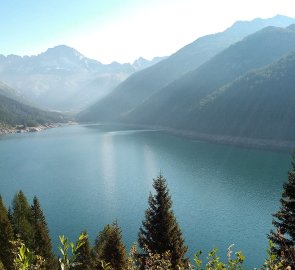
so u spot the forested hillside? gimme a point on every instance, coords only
(15, 113)
(260, 104)
(203, 101)
(142, 85)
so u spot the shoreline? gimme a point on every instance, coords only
(254, 143)
(5, 130)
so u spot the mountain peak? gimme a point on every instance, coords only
(63, 51)
(249, 27)
(291, 27)
(138, 63)
(142, 63)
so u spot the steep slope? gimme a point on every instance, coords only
(260, 104)
(177, 104)
(9, 92)
(13, 112)
(141, 85)
(142, 63)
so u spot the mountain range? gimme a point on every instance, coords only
(63, 79)
(139, 87)
(183, 98)
(230, 97)
(234, 86)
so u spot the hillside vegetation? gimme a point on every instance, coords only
(226, 96)
(13, 112)
(142, 85)
(260, 104)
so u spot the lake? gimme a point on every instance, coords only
(88, 176)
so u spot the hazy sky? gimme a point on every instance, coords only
(122, 30)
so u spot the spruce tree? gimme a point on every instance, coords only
(22, 219)
(160, 231)
(284, 221)
(6, 235)
(85, 257)
(109, 247)
(42, 243)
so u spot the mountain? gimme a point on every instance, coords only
(142, 63)
(9, 92)
(143, 84)
(260, 104)
(13, 112)
(244, 93)
(88, 92)
(60, 76)
(177, 104)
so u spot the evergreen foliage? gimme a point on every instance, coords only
(85, 256)
(42, 243)
(284, 221)
(225, 99)
(135, 92)
(109, 247)
(22, 219)
(6, 235)
(160, 231)
(13, 112)
(9, 213)
(160, 239)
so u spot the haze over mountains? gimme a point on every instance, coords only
(63, 79)
(13, 112)
(260, 104)
(142, 85)
(187, 104)
(236, 85)
(183, 98)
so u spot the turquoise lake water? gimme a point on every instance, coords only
(88, 176)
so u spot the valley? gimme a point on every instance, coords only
(94, 139)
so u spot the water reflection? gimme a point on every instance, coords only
(108, 167)
(87, 177)
(151, 168)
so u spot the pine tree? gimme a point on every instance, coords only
(110, 249)
(22, 219)
(42, 243)
(6, 235)
(160, 231)
(284, 221)
(85, 256)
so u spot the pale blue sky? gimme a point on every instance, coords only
(122, 30)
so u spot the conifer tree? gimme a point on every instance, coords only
(85, 256)
(22, 219)
(160, 231)
(10, 214)
(42, 243)
(284, 221)
(6, 235)
(110, 249)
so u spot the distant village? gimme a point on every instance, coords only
(4, 129)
